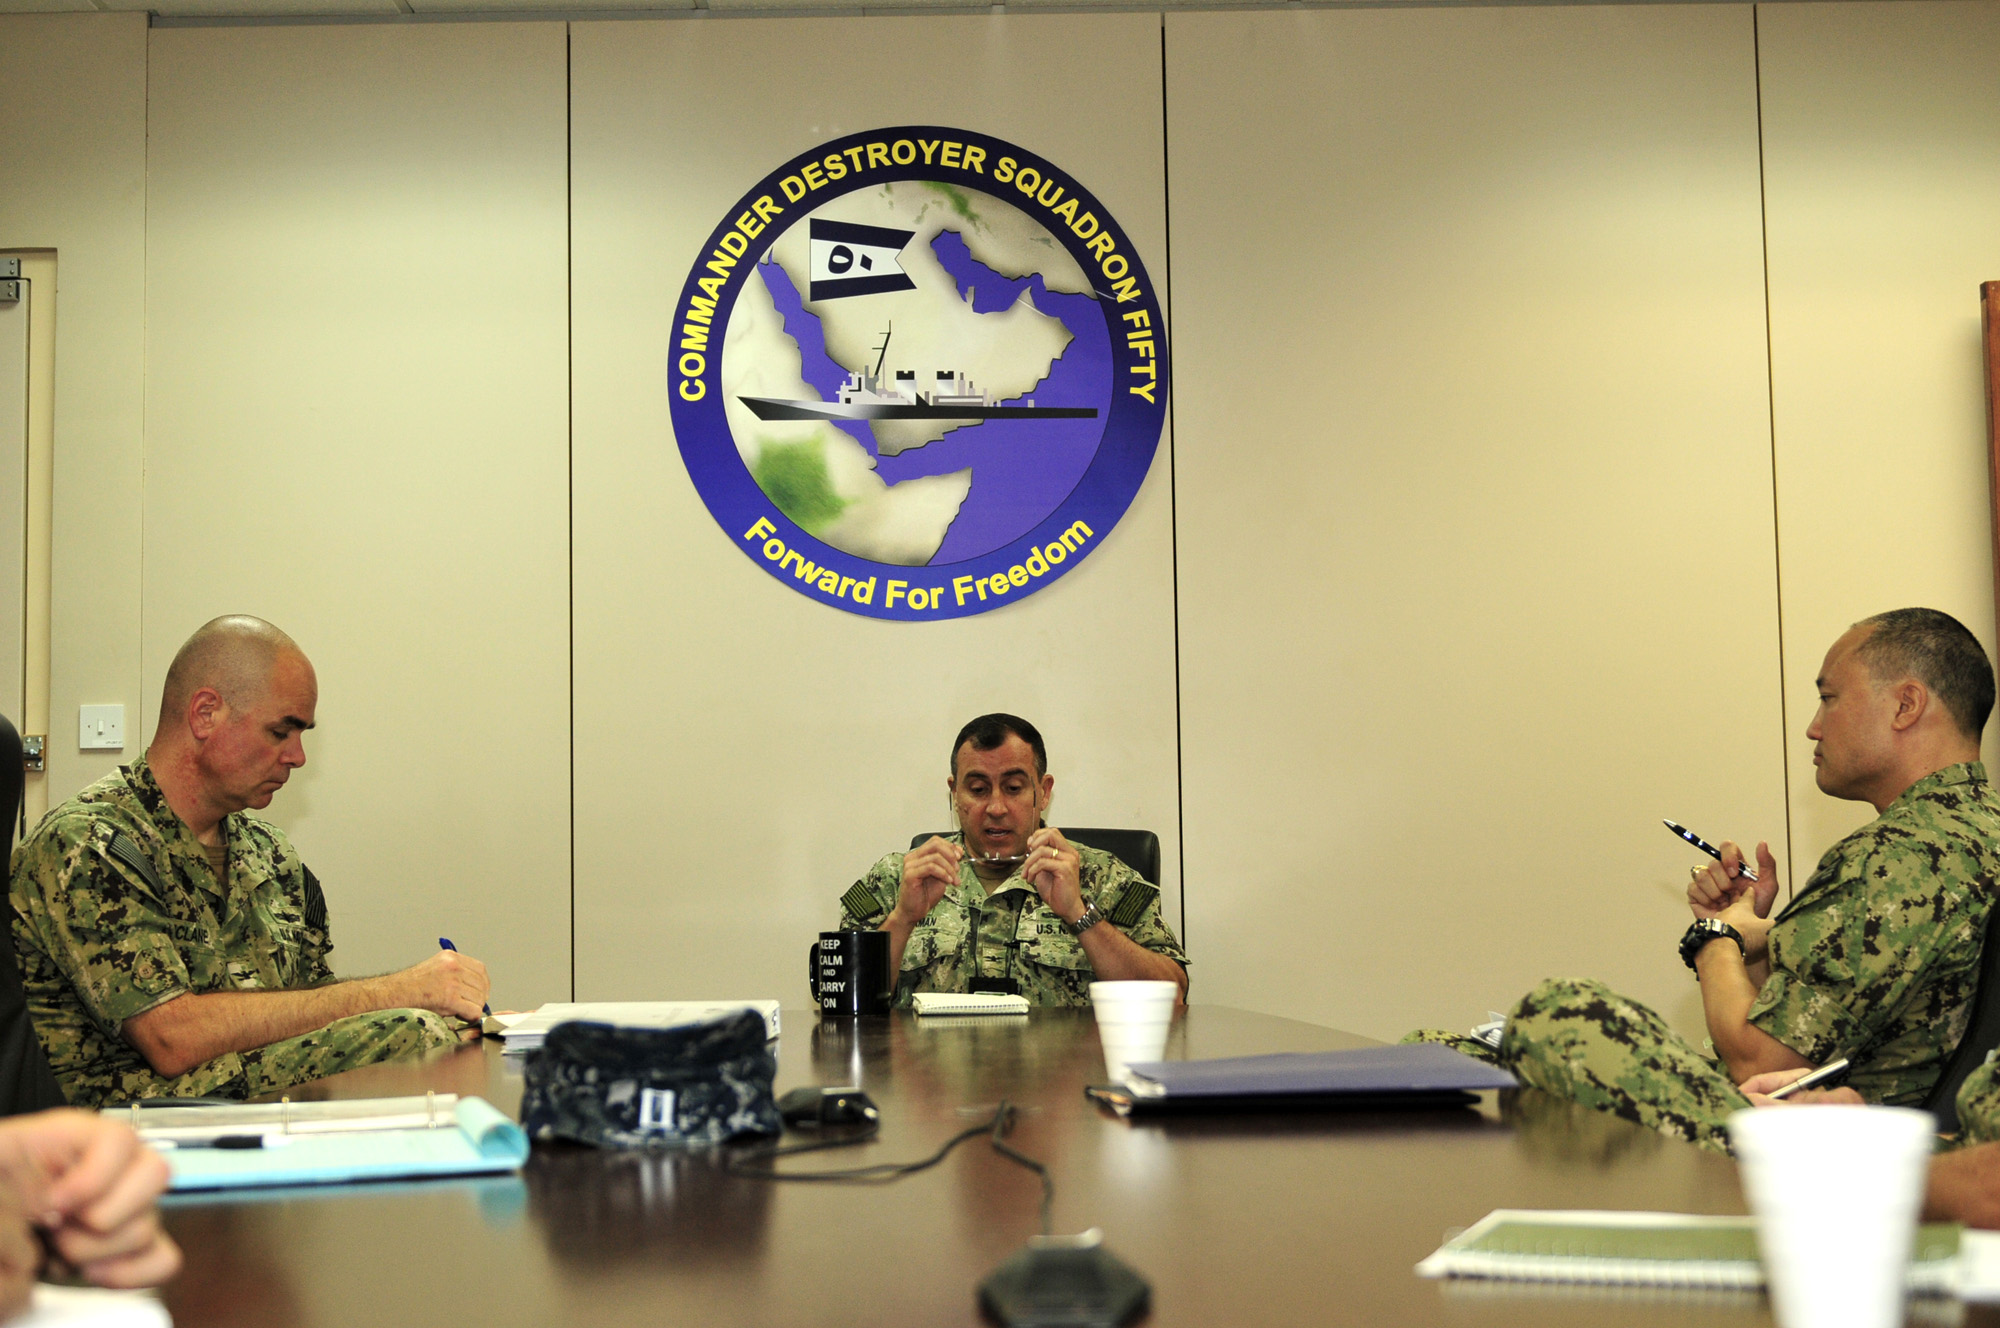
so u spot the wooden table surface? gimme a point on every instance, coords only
(1282, 1219)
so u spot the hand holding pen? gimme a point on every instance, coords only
(1711, 890)
(1708, 848)
(444, 943)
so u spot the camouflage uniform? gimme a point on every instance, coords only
(1979, 1105)
(117, 910)
(1875, 958)
(1011, 933)
(1585, 1043)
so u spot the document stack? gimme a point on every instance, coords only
(524, 1032)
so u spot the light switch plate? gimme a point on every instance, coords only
(100, 728)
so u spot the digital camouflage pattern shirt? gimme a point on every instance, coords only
(1876, 957)
(116, 909)
(1010, 933)
(1979, 1106)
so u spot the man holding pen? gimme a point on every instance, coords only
(1875, 958)
(172, 945)
(1008, 904)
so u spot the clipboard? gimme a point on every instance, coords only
(329, 1143)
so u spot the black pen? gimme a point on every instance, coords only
(444, 943)
(1745, 870)
(219, 1141)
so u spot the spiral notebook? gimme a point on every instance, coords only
(1645, 1249)
(968, 1003)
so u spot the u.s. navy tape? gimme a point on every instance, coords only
(652, 1087)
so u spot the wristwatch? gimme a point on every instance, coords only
(1702, 932)
(1091, 917)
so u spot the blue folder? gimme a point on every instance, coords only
(480, 1140)
(1420, 1075)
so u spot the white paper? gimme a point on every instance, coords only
(1979, 1265)
(92, 1307)
(528, 1030)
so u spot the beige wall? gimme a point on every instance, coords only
(1482, 566)
(73, 156)
(1881, 129)
(356, 425)
(1475, 513)
(742, 754)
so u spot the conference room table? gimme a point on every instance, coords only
(1246, 1219)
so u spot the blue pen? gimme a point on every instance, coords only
(1745, 870)
(444, 943)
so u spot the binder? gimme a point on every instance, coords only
(328, 1143)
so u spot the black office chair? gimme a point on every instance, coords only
(26, 1084)
(1981, 1035)
(1137, 849)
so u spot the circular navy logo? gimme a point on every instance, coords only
(918, 373)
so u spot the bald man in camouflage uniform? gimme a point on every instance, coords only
(1876, 958)
(172, 945)
(1008, 904)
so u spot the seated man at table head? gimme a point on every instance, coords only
(173, 945)
(1875, 958)
(1006, 903)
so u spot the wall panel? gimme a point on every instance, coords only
(357, 428)
(1478, 567)
(743, 754)
(1475, 520)
(74, 161)
(1881, 127)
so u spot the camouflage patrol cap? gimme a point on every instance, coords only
(614, 1087)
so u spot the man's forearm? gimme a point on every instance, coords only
(180, 1034)
(1116, 957)
(1964, 1186)
(1727, 993)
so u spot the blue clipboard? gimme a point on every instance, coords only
(480, 1140)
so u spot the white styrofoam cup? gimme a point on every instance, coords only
(1132, 1022)
(1836, 1190)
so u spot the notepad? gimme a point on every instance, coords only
(322, 1143)
(524, 1032)
(1645, 1249)
(968, 1002)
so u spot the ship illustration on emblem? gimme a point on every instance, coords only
(866, 396)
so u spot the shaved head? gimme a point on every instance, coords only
(234, 654)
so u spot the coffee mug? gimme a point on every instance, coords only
(849, 972)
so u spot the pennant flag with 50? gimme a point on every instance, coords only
(848, 259)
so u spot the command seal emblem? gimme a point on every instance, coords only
(918, 373)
